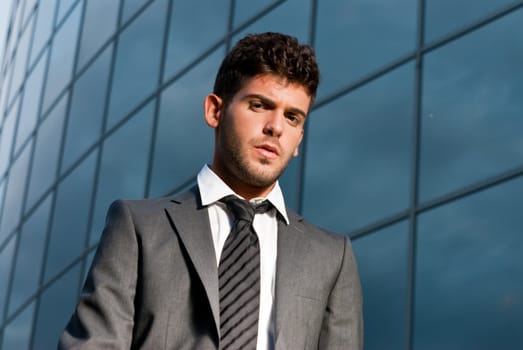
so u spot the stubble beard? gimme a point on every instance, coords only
(247, 172)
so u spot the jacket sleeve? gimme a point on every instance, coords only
(342, 326)
(103, 318)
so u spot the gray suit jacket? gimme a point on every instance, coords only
(153, 283)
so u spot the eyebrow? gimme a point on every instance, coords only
(271, 103)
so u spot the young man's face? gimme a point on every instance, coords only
(258, 133)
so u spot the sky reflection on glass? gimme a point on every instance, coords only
(469, 281)
(352, 142)
(472, 108)
(124, 166)
(356, 37)
(382, 264)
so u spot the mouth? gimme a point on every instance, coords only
(268, 150)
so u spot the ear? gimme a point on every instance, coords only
(296, 150)
(213, 110)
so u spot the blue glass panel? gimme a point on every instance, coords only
(245, 10)
(359, 152)
(382, 263)
(18, 333)
(3, 94)
(188, 38)
(15, 193)
(444, 16)
(44, 26)
(2, 192)
(31, 101)
(124, 165)
(283, 19)
(469, 284)
(137, 61)
(100, 21)
(57, 301)
(29, 255)
(6, 262)
(7, 137)
(87, 107)
(130, 7)
(472, 108)
(356, 37)
(45, 159)
(28, 9)
(62, 57)
(20, 60)
(73, 202)
(290, 183)
(184, 142)
(65, 5)
(88, 263)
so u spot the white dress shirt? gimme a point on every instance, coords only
(212, 189)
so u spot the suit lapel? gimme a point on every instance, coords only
(292, 248)
(191, 222)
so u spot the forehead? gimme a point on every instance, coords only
(276, 88)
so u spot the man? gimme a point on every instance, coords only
(159, 278)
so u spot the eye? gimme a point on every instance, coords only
(293, 119)
(256, 105)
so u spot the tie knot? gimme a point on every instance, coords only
(244, 210)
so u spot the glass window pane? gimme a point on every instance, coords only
(469, 283)
(124, 165)
(29, 256)
(7, 136)
(45, 159)
(182, 127)
(28, 8)
(6, 262)
(64, 6)
(130, 7)
(15, 193)
(57, 301)
(20, 60)
(137, 61)
(382, 264)
(283, 19)
(87, 108)
(472, 105)
(245, 10)
(44, 26)
(444, 16)
(18, 333)
(356, 37)
(31, 102)
(62, 57)
(352, 143)
(100, 22)
(2, 192)
(290, 183)
(188, 38)
(3, 92)
(71, 215)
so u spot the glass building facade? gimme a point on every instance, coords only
(414, 148)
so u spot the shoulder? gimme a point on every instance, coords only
(150, 208)
(315, 231)
(318, 237)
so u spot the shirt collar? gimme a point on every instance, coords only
(212, 189)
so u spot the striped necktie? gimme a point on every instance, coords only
(239, 277)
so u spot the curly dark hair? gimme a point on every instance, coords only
(267, 53)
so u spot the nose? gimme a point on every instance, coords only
(274, 124)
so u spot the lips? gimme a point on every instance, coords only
(268, 150)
